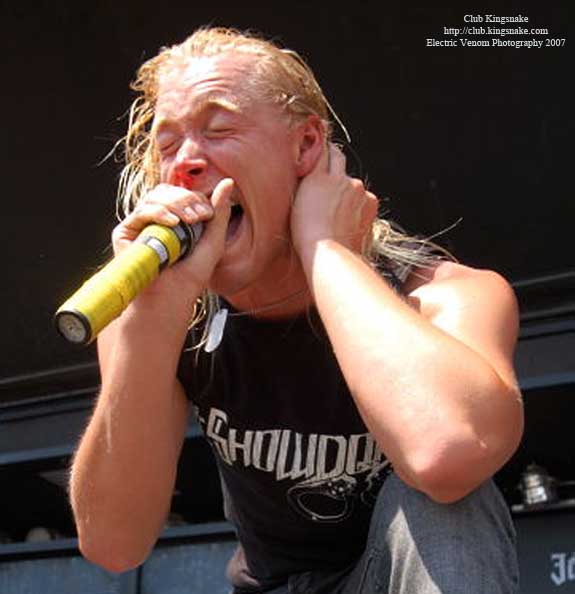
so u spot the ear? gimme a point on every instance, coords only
(310, 139)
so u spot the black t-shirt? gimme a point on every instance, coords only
(300, 471)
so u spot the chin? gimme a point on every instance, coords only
(229, 280)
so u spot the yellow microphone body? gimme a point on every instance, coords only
(104, 296)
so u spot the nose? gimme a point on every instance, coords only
(191, 165)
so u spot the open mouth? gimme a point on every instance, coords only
(236, 216)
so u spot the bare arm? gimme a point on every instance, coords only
(431, 375)
(124, 470)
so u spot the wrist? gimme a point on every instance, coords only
(155, 311)
(153, 317)
(309, 250)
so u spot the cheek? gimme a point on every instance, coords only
(227, 161)
(164, 169)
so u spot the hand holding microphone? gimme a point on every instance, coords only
(161, 232)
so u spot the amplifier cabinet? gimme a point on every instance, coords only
(546, 549)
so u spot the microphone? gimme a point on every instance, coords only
(105, 295)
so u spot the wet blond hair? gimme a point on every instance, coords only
(280, 76)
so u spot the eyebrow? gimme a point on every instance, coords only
(215, 100)
(203, 104)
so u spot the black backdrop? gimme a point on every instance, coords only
(482, 134)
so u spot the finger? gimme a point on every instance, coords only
(166, 194)
(223, 189)
(322, 165)
(190, 206)
(149, 213)
(133, 224)
(370, 208)
(216, 230)
(372, 198)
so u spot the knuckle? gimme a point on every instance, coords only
(117, 232)
(164, 194)
(142, 211)
(148, 197)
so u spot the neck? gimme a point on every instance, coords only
(287, 297)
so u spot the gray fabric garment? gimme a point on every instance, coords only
(416, 546)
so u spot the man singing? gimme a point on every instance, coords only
(357, 388)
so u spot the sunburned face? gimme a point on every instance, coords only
(208, 126)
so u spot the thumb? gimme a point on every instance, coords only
(222, 194)
(322, 164)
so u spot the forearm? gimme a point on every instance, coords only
(124, 470)
(433, 404)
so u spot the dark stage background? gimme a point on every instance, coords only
(478, 134)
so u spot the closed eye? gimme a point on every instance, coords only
(218, 132)
(168, 149)
(167, 144)
(166, 139)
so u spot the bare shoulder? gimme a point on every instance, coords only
(476, 306)
(455, 283)
(446, 270)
